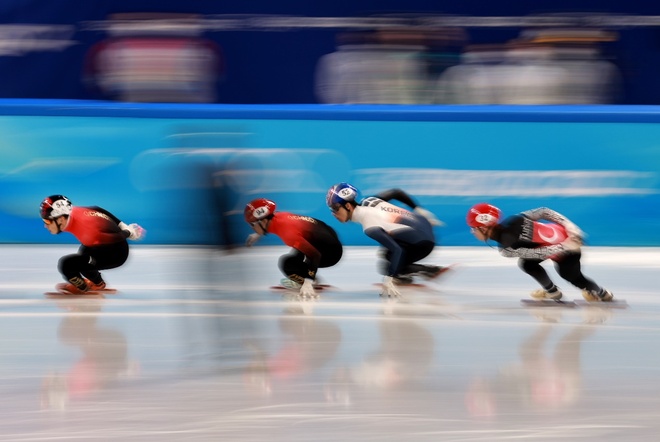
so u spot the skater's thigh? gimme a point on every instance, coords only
(108, 256)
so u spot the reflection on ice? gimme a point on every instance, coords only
(102, 359)
(402, 358)
(306, 345)
(223, 357)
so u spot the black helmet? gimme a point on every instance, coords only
(55, 206)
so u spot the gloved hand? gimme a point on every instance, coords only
(573, 231)
(429, 216)
(572, 244)
(307, 289)
(135, 231)
(252, 239)
(389, 289)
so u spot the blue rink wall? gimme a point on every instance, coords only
(185, 172)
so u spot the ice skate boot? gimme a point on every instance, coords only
(95, 287)
(402, 279)
(597, 296)
(290, 284)
(69, 289)
(606, 296)
(541, 294)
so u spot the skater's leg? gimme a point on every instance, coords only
(534, 269)
(76, 268)
(569, 268)
(293, 266)
(71, 266)
(104, 257)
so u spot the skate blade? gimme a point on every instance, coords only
(281, 288)
(615, 303)
(66, 295)
(547, 303)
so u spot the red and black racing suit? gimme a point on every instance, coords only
(104, 244)
(314, 245)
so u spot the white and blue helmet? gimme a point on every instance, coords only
(340, 194)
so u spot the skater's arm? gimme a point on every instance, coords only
(130, 231)
(556, 217)
(532, 253)
(509, 244)
(399, 195)
(106, 213)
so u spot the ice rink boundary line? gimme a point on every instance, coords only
(321, 304)
(434, 288)
(328, 308)
(458, 300)
(143, 288)
(456, 321)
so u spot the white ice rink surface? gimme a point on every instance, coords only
(195, 347)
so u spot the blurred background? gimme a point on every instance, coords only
(174, 116)
(413, 52)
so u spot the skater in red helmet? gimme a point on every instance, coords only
(525, 237)
(103, 242)
(314, 244)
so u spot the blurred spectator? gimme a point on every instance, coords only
(532, 75)
(373, 68)
(551, 66)
(444, 49)
(588, 78)
(154, 58)
(395, 66)
(364, 71)
(476, 80)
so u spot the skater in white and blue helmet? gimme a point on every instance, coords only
(406, 235)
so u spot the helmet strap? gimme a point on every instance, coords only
(346, 206)
(487, 237)
(59, 228)
(263, 223)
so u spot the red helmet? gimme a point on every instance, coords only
(483, 215)
(259, 209)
